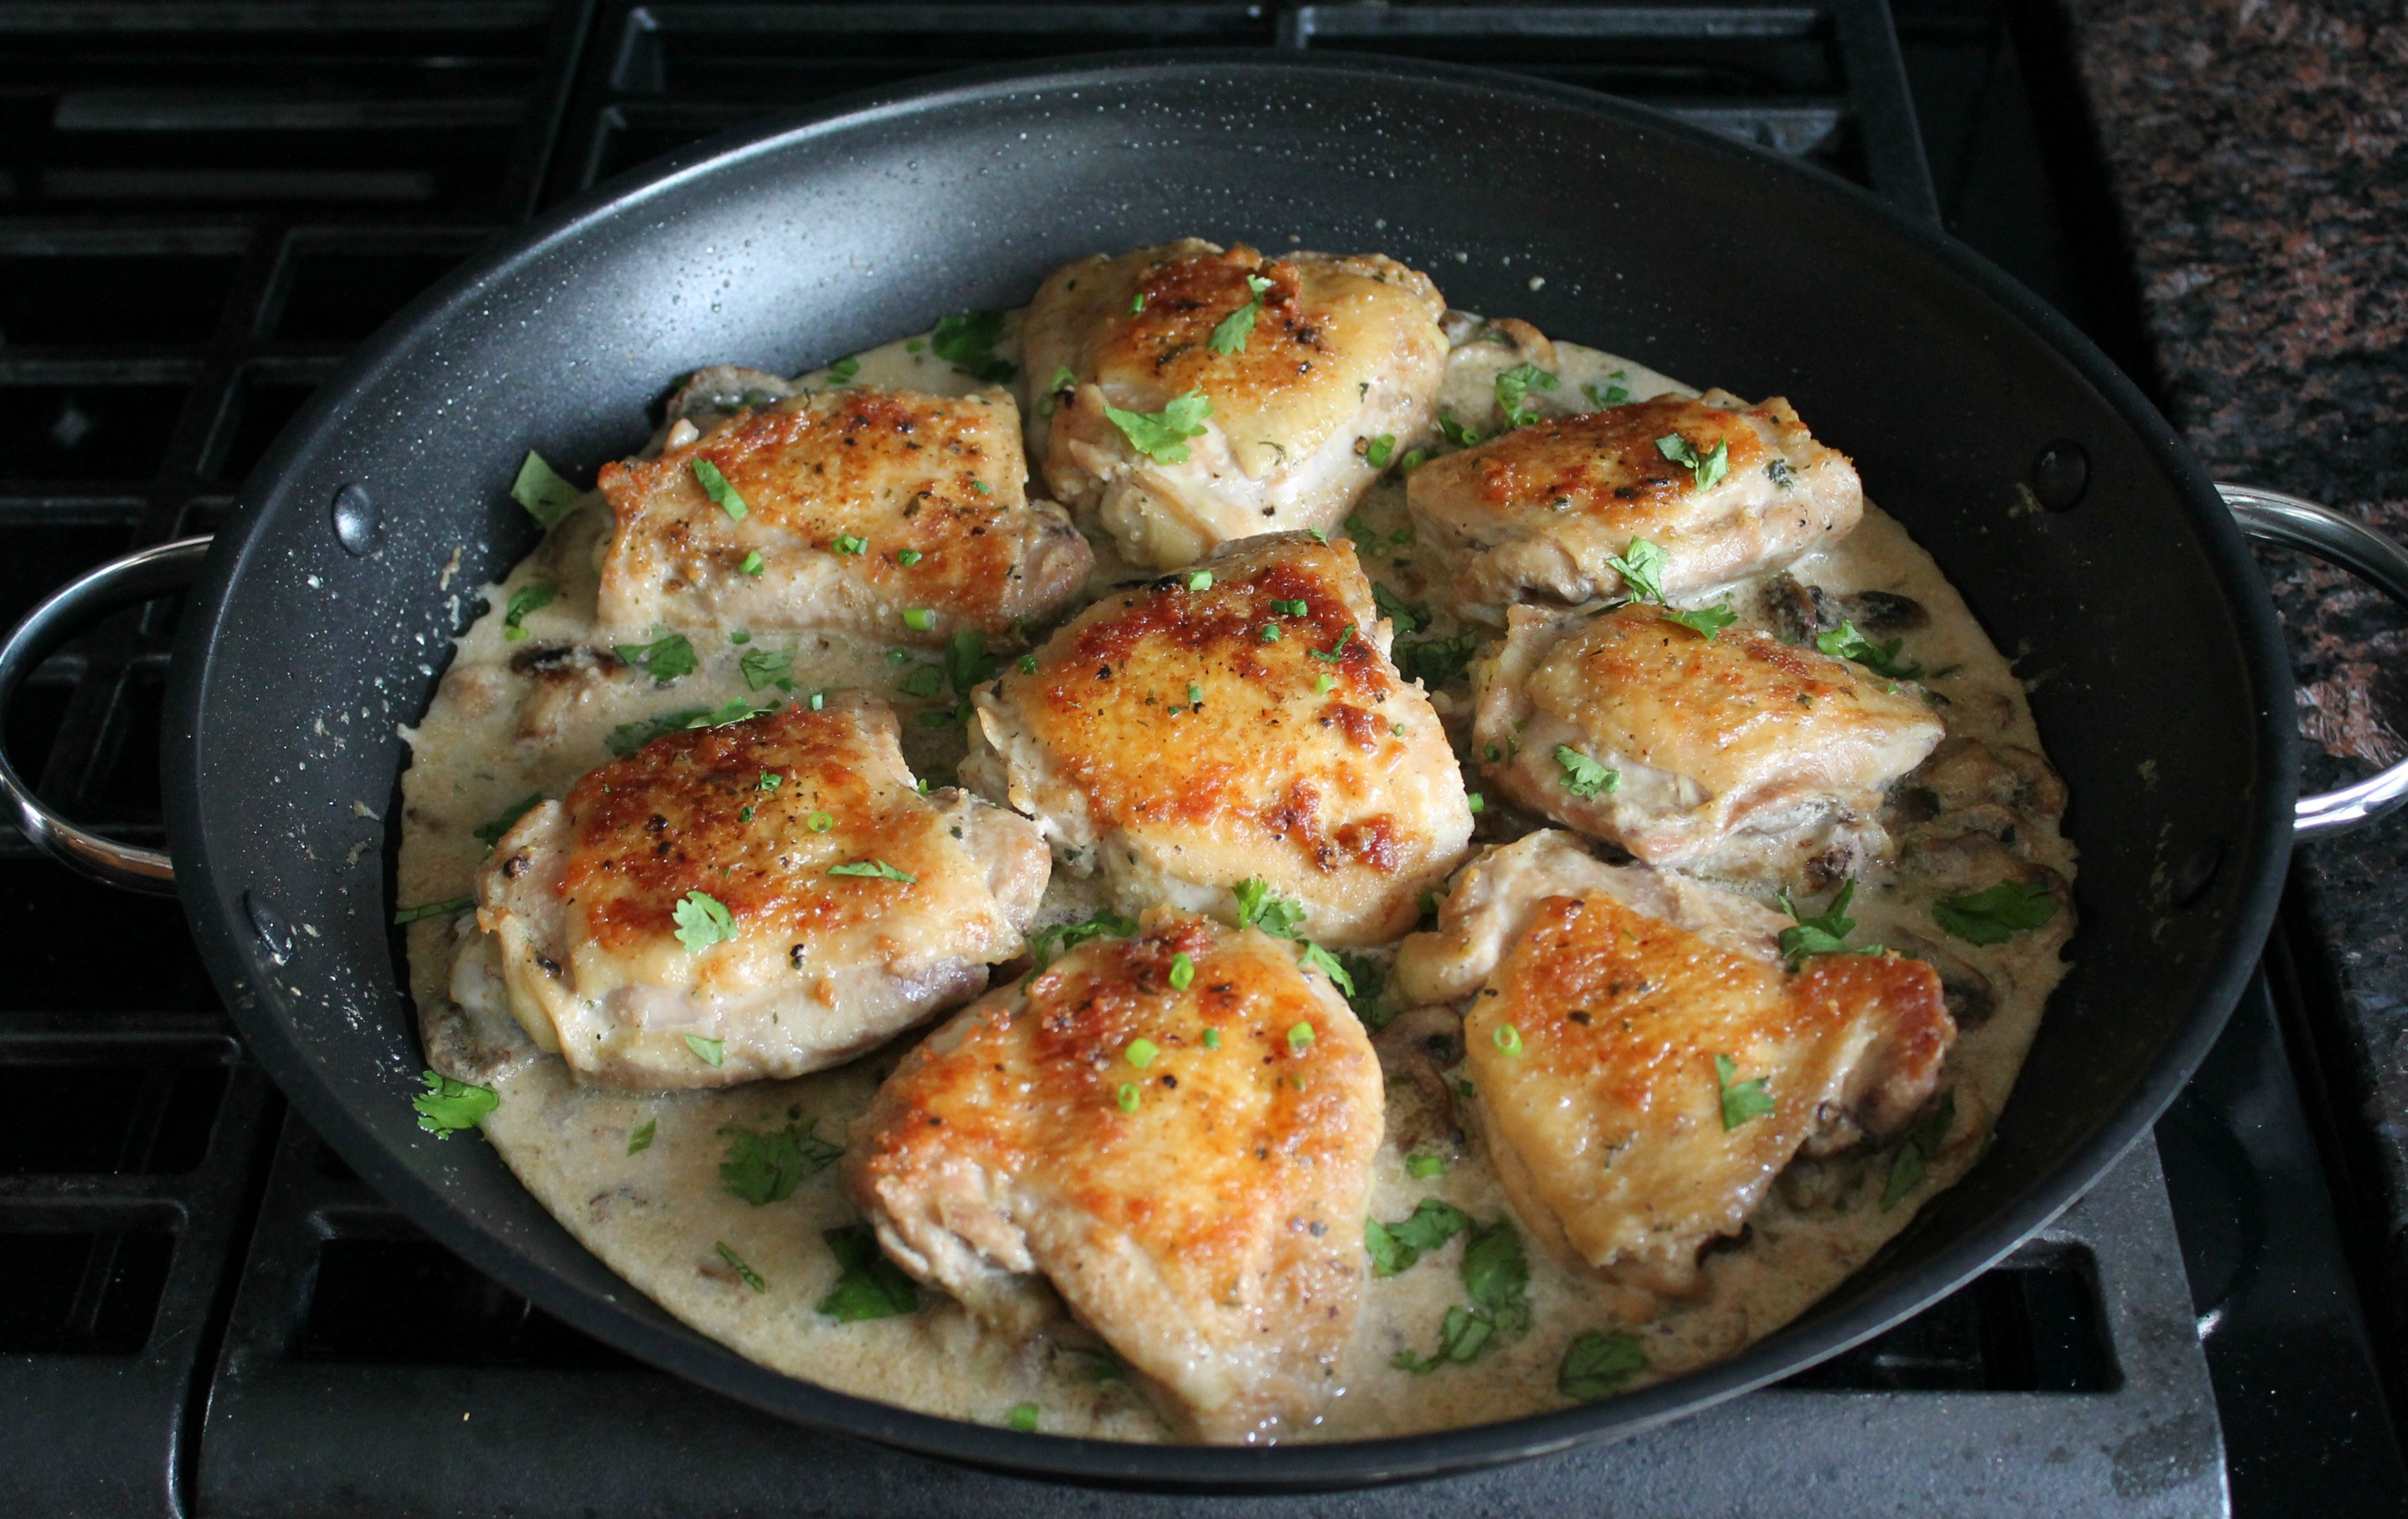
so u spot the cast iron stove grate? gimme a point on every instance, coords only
(203, 206)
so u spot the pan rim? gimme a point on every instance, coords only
(217, 922)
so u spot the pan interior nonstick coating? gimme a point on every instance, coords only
(2154, 664)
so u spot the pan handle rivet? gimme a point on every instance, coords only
(2060, 475)
(356, 525)
(267, 922)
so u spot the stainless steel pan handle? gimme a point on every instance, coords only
(2272, 517)
(118, 584)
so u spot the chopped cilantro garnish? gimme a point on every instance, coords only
(664, 659)
(1514, 388)
(714, 486)
(763, 1168)
(1642, 567)
(1394, 1248)
(877, 869)
(1159, 435)
(750, 1277)
(1705, 622)
(1704, 469)
(1741, 1100)
(1847, 642)
(702, 922)
(1234, 329)
(1597, 1365)
(1998, 915)
(447, 1105)
(966, 340)
(1379, 450)
(1585, 777)
(870, 1286)
(547, 497)
(444, 909)
(711, 1053)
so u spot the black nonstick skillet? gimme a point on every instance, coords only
(2085, 538)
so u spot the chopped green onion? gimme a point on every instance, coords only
(1128, 1098)
(1182, 971)
(1299, 1039)
(1508, 1039)
(1140, 1052)
(919, 619)
(714, 486)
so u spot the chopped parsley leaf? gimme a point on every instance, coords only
(1379, 450)
(843, 369)
(1367, 979)
(1585, 777)
(447, 1105)
(444, 909)
(765, 1167)
(1825, 933)
(711, 1053)
(1159, 435)
(1915, 1153)
(1239, 326)
(1614, 392)
(1846, 642)
(1514, 388)
(1422, 1168)
(641, 1140)
(1022, 1417)
(714, 486)
(546, 497)
(1436, 661)
(1597, 1365)
(526, 598)
(923, 680)
(492, 832)
(1047, 942)
(750, 1277)
(877, 869)
(1314, 957)
(1028, 664)
(1258, 909)
(1406, 616)
(1741, 1100)
(1705, 622)
(966, 340)
(702, 922)
(1496, 1277)
(1704, 469)
(627, 737)
(764, 667)
(1998, 915)
(1642, 567)
(1394, 1248)
(868, 1285)
(664, 659)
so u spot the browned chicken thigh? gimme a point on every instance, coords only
(1542, 512)
(1176, 1132)
(892, 513)
(1644, 1064)
(762, 899)
(1735, 755)
(1237, 720)
(1198, 396)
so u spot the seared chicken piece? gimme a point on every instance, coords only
(1239, 720)
(1737, 755)
(1644, 1066)
(1541, 512)
(1340, 353)
(1176, 1131)
(886, 512)
(762, 899)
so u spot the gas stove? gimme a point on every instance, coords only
(204, 205)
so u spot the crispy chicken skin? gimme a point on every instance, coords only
(1343, 352)
(1181, 740)
(583, 897)
(1737, 755)
(1599, 998)
(1199, 1206)
(1537, 513)
(862, 504)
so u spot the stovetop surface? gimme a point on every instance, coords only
(203, 207)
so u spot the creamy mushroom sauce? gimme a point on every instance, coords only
(658, 1216)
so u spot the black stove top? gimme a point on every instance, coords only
(205, 202)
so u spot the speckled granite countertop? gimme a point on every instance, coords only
(2260, 152)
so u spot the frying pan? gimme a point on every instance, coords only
(2086, 539)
